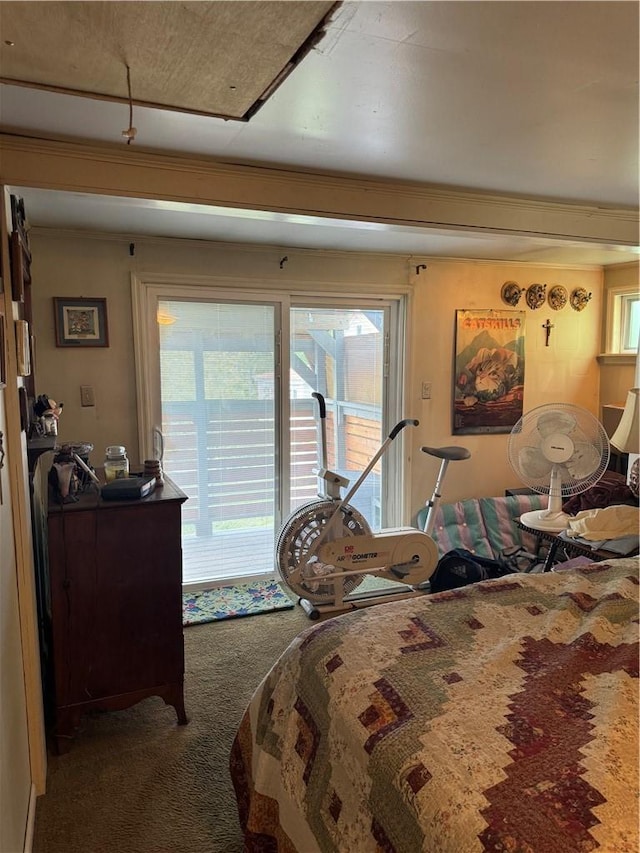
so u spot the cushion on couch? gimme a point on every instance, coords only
(460, 525)
(484, 526)
(500, 516)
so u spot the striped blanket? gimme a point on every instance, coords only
(485, 526)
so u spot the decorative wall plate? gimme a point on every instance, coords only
(511, 292)
(558, 297)
(579, 299)
(536, 295)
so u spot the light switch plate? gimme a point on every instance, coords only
(87, 396)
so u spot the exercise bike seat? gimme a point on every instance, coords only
(451, 453)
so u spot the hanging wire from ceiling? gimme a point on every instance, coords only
(130, 132)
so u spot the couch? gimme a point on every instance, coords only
(484, 526)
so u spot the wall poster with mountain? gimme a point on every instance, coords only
(489, 371)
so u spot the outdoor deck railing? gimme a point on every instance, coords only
(219, 452)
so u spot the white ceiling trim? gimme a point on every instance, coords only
(275, 250)
(116, 170)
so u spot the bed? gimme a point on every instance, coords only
(502, 716)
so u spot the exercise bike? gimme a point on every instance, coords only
(326, 548)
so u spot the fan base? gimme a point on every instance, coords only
(542, 519)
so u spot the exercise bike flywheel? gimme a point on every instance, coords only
(296, 540)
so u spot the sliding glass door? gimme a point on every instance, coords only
(229, 383)
(218, 416)
(339, 352)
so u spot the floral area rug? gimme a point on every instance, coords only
(230, 602)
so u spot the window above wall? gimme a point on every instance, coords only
(622, 321)
(629, 322)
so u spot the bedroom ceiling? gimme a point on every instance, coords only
(537, 100)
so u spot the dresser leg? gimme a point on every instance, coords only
(67, 723)
(174, 695)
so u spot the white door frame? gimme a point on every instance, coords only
(146, 288)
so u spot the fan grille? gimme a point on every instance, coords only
(560, 437)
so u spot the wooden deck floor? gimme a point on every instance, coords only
(232, 555)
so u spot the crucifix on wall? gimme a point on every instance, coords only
(547, 327)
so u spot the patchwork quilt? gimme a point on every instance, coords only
(501, 716)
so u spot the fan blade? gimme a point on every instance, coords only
(533, 463)
(558, 422)
(584, 461)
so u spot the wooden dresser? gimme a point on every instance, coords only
(113, 591)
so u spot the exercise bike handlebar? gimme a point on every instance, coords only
(323, 427)
(394, 432)
(321, 404)
(354, 488)
(323, 443)
(401, 425)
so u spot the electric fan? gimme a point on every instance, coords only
(558, 450)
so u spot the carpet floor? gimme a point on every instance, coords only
(135, 782)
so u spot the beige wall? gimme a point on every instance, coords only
(75, 267)
(566, 371)
(615, 381)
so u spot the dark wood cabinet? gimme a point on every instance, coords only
(115, 605)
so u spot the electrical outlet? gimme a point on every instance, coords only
(87, 396)
(426, 390)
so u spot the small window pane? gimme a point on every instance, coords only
(630, 322)
(338, 352)
(217, 366)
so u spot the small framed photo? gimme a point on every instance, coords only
(23, 348)
(80, 322)
(23, 400)
(20, 266)
(20, 254)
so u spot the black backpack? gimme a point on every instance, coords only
(460, 567)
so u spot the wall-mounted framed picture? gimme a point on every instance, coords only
(80, 322)
(20, 266)
(488, 384)
(23, 348)
(20, 253)
(23, 400)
